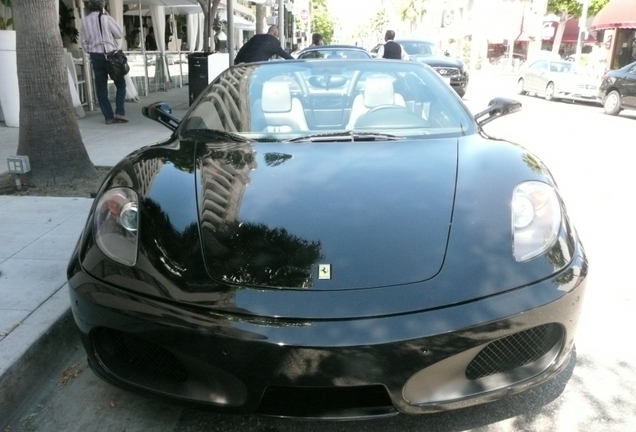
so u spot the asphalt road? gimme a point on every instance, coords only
(592, 156)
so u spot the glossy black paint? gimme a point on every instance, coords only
(260, 353)
(359, 51)
(624, 82)
(447, 66)
(497, 107)
(242, 332)
(172, 262)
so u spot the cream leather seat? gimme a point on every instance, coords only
(282, 112)
(378, 90)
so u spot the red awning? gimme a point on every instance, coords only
(571, 32)
(617, 14)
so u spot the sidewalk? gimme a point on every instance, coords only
(37, 237)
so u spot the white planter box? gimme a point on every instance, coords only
(9, 93)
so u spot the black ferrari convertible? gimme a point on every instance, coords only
(328, 239)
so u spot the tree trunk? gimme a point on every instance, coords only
(558, 35)
(49, 133)
(208, 41)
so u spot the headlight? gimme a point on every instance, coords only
(116, 225)
(536, 219)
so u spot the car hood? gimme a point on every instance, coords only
(438, 61)
(327, 216)
(573, 79)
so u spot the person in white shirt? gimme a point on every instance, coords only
(99, 41)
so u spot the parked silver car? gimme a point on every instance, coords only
(558, 80)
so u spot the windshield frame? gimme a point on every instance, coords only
(465, 126)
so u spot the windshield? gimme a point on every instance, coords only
(416, 48)
(365, 99)
(567, 67)
(334, 54)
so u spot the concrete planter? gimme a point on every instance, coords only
(9, 93)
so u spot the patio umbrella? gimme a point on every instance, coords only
(240, 23)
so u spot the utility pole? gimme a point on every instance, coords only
(582, 27)
(539, 9)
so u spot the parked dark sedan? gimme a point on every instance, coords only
(328, 239)
(334, 52)
(452, 69)
(618, 89)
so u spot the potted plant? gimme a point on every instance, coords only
(6, 21)
(478, 62)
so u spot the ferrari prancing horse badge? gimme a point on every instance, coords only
(324, 271)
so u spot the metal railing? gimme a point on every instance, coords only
(146, 76)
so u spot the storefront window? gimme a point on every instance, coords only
(625, 48)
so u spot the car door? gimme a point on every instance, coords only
(533, 74)
(543, 76)
(628, 87)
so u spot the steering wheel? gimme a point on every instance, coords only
(386, 107)
(389, 117)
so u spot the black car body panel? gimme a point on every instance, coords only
(333, 51)
(622, 81)
(327, 276)
(177, 247)
(339, 226)
(450, 68)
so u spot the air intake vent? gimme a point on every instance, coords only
(514, 351)
(119, 350)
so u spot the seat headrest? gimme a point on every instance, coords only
(276, 97)
(378, 90)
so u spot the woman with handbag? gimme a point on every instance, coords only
(98, 37)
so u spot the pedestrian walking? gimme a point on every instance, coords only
(262, 47)
(392, 49)
(98, 38)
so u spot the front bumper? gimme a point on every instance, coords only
(579, 95)
(414, 363)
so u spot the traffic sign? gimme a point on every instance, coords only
(304, 14)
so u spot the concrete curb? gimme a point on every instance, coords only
(24, 366)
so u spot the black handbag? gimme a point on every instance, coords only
(116, 62)
(117, 65)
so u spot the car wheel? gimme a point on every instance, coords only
(549, 92)
(612, 103)
(520, 87)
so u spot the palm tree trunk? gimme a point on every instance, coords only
(49, 134)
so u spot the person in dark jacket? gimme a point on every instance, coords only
(392, 49)
(262, 47)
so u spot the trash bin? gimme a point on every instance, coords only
(198, 78)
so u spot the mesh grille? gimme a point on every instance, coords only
(140, 355)
(514, 351)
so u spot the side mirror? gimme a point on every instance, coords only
(447, 54)
(161, 113)
(498, 107)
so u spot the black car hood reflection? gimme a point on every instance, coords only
(276, 214)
